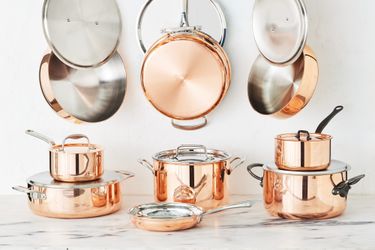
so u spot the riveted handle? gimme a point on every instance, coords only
(250, 170)
(32, 193)
(343, 187)
(146, 164)
(232, 164)
(40, 136)
(325, 122)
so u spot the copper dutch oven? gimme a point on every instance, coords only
(305, 194)
(304, 151)
(192, 174)
(73, 162)
(50, 198)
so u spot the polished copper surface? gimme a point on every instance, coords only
(303, 155)
(185, 75)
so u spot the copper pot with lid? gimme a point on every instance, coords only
(73, 162)
(192, 174)
(304, 151)
(186, 73)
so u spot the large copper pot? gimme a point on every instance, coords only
(192, 174)
(304, 194)
(50, 198)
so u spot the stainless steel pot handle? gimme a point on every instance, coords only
(178, 124)
(146, 164)
(34, 194)
(190, 147)
(343, 187)
(242, 204)
(183, 21)
(126, 173)
(77, 137)
(231, 169)
(250, 170)
(40, 136)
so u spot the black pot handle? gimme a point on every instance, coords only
(343, 187)
(303, 132)
(250, 170)
(325, 122)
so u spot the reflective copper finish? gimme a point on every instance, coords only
(70, 201)
(185, 75)
(313, 153)
(304, 195)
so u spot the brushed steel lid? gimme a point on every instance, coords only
(334, 168)
(82, 33)
(280, 29)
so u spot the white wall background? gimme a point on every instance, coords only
(341, 33)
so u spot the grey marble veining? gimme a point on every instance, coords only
(237, 229)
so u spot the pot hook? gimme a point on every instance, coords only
(325, 122)
(343, 187)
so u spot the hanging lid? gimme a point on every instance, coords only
(334, 168)
(44, 179)
(191, 154)
(280, 29)
(82, 33)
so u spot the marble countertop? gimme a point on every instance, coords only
(236, 229)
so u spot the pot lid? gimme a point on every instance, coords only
(165, 211)
(191, 154)
(280, 29)
(334, 168)
(44, 179)
(82, 33)
(158, 15)
(303, 136)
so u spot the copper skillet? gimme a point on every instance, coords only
(168, 217)
(186, 73)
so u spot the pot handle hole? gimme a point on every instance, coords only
(343, 187)
(146, 164)
(33, 194)
(233, 165)
(250, 170)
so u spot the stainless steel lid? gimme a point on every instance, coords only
(165, 211)
(82, 33)
(334, 168)
(191, 154)
(280, 29)
(44, 179)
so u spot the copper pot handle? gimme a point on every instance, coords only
(190, 147)
(34, 194)
(343, 187)
(250, 170)
(177, 124)
(146, 164)
(126, 173)
(231, 169)
(77, 137)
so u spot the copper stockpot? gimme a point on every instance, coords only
(305, 194)
(192, 174)
(304, 151)
(73, 162)
(50, 198)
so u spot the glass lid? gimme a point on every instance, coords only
(165, 211)
(44, 179)
(334, 168)
(280, 29)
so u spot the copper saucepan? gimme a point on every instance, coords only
(186, 73)
(73, 162)
(50, 198)
(168, 217)
(305, 195)
(304, 151)
(192, 174)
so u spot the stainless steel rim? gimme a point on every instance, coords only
(166, 211)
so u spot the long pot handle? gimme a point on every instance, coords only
(147, 165)
(184, 14)
(343, 187)
(34, 194)
(77, 137)
(41, 137)
(126, 173)
(325, 122)
(179, 124)
(250, 170)
(231, 162)
(242, 204)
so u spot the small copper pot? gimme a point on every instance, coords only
(73, 162)
(305, 194)
(192, 174)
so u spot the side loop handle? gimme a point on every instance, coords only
(146, 164)
(33, 194)
(179, 124)
(250, 170)
(231, 162)
(126, 173)
(343, 187)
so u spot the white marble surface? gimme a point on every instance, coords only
(241, 229)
